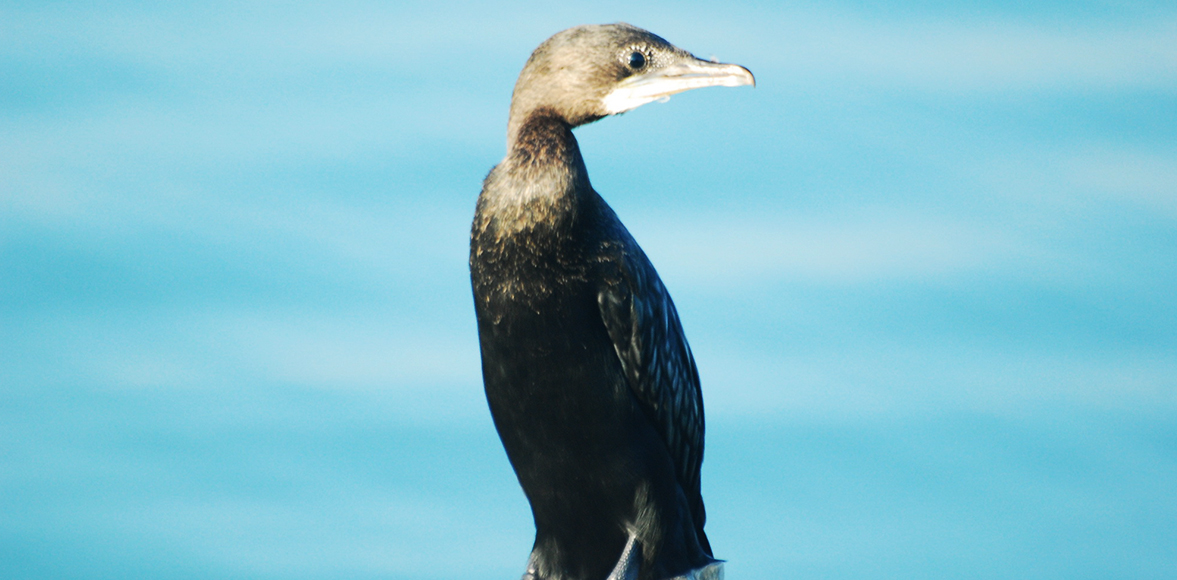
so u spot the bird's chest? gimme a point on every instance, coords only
(539, 321)
(551, 372)
(532, 278)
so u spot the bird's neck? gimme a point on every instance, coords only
(541, 140)
(542, 180)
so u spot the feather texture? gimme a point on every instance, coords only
(643, 324)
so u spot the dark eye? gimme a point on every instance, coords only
(637, 60)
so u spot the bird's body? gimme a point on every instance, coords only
(589, 378)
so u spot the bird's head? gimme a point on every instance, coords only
(588, 72)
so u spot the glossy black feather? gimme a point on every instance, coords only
(648, 337)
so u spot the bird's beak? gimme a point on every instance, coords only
(660, 83)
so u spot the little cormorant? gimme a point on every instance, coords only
(588, 375)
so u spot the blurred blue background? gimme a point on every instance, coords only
(928, 268)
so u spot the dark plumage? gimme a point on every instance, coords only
(589, 378)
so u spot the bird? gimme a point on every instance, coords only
(590, 381)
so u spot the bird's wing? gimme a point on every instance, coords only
(658, 365)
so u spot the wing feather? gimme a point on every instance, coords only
(648, 337)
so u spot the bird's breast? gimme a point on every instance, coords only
(542, 337)
(537, 269)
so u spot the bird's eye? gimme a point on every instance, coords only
(637, 60)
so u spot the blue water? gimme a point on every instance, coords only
(926, 267)
(288, 483)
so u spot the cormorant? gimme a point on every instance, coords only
(589, 378)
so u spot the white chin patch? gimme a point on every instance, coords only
(637, 91)
(624, 99)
